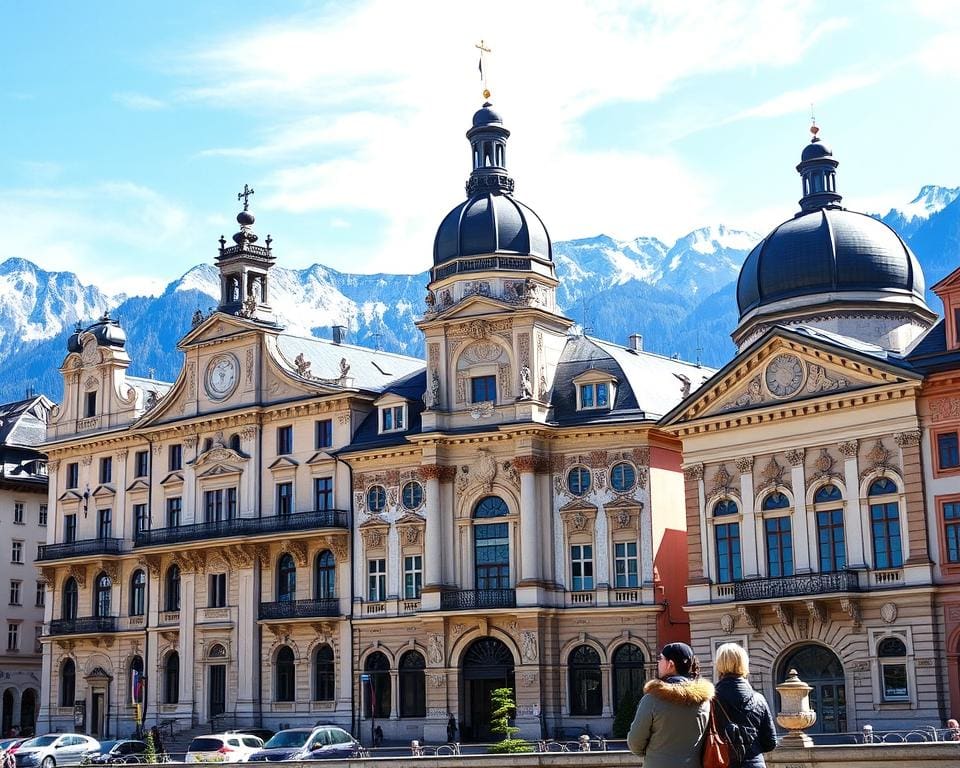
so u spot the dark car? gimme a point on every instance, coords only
(119, 751)
(329, 742)
(282, 745)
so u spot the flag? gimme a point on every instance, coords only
(136, 686)
(481, 66)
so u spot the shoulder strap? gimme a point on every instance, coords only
(722, 709)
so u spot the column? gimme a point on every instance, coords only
(854, 529)
(529, 538)
(433, 535)
(698, 532)
(187, 645)
(447, 516)
(252, 477)
(748, 528)
(249, 655)
(799, 527)
(189, 503)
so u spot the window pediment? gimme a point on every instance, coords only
(319, 457)
(284, 462)
(374, 533)
(174, 478)
(136, 486)
(221, 470)
(578, 516)
(624, 514)
(218, 454)
(104, 491)
(411, 528)
(70, 497)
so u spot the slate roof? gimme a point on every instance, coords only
(24, 421)
(930, 353)
(368, 435)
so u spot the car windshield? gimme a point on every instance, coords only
(40, 741)
(106, 746)
(287, 739)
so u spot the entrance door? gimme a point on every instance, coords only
(820, 668)
(98, 715)
(487, 665)
(218, 689)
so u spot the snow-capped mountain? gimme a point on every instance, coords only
(681, 297)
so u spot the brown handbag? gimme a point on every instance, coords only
(716, 752)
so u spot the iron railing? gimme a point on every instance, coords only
(77, 548)
(472, 599)
(84, 625)
(795, 586)
(482, 264)
(300, 609)
(243, 526)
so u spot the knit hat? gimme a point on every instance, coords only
(681, 655)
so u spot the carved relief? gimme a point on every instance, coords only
(819, 380)
(817, 611)
(851, 607)
(528, 646)
(772, 474)
(944, 408)
(435, 650)
(849, 448)
(879, 458)
(693, 472)
(824, 465)
(722, 480)
(745, 465)
(523, 346)
(728, 622)
(888, 612)
(784, 614)
(795, 457)
(752, 396)
(910, 438)
(750, 617)
(298, 549)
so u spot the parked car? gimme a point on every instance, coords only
(223, 748)
(54, 749)
(119, 751)
(265, 734)
(283, 745)
(329, 742)
(7, 745)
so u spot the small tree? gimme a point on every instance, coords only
(503, 709)
(150, 754)
(626, 711)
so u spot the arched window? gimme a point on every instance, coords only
(68, 683)
(491, 545)
(377, 696)
(102, 590)
(325, 576)
(136, 679)
(727, 538)
(629, 673)
(413, 687)
(892, 654)
(217, 651)
(286, 578)
(831, 543)
(138, 593)
(585, 688)
(172, 597)
(70, 599)
(323, 674)
(284, 689)
(776, 500)
(171, 679)
(885, 524)
(235, 442)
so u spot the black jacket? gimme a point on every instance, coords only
(747, 710)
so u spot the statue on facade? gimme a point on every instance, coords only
(526, 387)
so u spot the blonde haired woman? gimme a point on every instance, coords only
(741, 713)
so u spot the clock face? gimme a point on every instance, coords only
(222, 376)
(784, 375)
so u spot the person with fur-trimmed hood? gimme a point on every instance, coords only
(671, 721)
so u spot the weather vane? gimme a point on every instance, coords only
(813, 122)
(483, 75)
(245, 196)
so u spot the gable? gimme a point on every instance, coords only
(474, 306)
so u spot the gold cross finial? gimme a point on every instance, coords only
(483, 75)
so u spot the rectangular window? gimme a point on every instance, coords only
(833, 553)
(284, 498)
(91, 405)
(412, 576)
(42, 519)
(483, 389)
(104, 523)
(41, 596)
(324, 434)
(174, 505)
(13, 637)
(106, 469)
(14, 592)
(948, 450)
(376, 580)
(220, 505)
(217, 591)
(779, 547)
(625, 561)
(323, 493)
(728, 552)
(391, 419)
(951, 521)
(894, 677)
(885, 522)
(594, 395)
(141, 463)
(73, 475)
(141, 520)
(492, 556)
(581, 567)
(284, 440)
(18, 512)
(231, 503)
(69, 529)
(175, 457)
(16, 552)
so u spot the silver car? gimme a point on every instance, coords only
(54, 749)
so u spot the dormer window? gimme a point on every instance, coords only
(596, 390)
(91, 405)
(393, 418)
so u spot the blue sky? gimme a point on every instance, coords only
(128, 127)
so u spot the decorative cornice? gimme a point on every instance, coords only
(908, 438)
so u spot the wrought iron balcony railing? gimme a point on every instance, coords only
(243, 526)
(77, 548)
(795, 586)
(300, 609)
(472, 599)
(83, 626)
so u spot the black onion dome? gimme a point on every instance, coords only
(73, 342)
(486, 115)
(108, 332)
(829, 250)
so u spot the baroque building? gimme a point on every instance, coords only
(23, 528)
(811, 526)
(299, 530)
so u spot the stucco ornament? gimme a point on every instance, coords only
(727, 622)
(435, 649)
(528, 646)
(888, 612)
(784, 375)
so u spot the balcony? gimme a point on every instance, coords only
(300, 609)
(83, 626)
(243, 526)
(796, 586)
(475, 599)
(80, 548)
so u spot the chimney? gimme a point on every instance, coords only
(636, 342)
(339, 333)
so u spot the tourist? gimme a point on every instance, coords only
(741, 714)
(671, 720)
(451, 730)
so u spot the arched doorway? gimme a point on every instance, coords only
(820, 668)
(6, 716)
(28, 711)
(487, 665)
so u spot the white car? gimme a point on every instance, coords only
(223, 748)
(54, 749)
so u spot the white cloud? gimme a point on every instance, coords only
(139, 102)
(800, 100)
